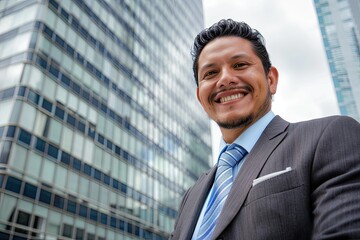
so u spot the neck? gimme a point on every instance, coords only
(229, 135)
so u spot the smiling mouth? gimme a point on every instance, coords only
(230, 94)
(231, 97)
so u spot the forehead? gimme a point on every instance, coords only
(225, 48)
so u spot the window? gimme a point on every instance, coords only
(47, 105)
(80, 234)
(59, 202)
(45, 196)
(49, 88)
(60, 177)
(76, 164)
(65, 158)
(83, 211)
(67, 231)
(13, 184)
(71, 120)
(36, 77)
(78, 145)
(24, 137)
(72, 181)
(84, 187)
(67, 139)
(93, 214)
(6, 108)
(87, 169)
(33, 165)
(103, 218)
(55, 129)
(22, 219)
(53, 151)
(27, 117)
(73, 102)
(61, 93)
(30, 191)
(82, 108)
(13, 74)
(90, 236)
(40, 145)
(18, 158)
(71, 206)
(89, 153)
(60, 27)
(48, 171)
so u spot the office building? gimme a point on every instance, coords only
(100, 130)
(340, 28)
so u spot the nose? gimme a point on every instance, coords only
(226, 78)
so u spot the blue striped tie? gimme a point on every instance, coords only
(222, 185)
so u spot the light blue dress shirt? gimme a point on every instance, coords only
(247, 140)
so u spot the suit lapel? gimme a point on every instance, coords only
(268, 141)
(196, 201)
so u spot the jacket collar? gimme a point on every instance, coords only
(273, 134)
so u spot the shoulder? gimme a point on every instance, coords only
(328, 122)
(329, 131)
(332, 127)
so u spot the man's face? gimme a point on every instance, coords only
(233, 88)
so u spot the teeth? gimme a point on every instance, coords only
(231, 97)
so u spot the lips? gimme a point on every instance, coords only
(231, 97)
(231, 94)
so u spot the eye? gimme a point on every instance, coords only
(209, 73)
(239, 65)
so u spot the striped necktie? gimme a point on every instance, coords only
(222, 185)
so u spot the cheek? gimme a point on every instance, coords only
(203, 94)
(203, 100)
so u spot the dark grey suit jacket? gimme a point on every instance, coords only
(318, 199)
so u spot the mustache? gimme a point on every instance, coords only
(245, 88)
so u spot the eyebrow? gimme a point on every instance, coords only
(240, 55)
(209, 65)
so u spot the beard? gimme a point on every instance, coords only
(249, 119)
(237, 123)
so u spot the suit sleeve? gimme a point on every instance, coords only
(336, 181)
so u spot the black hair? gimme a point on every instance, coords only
(230, 27)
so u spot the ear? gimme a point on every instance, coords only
(273, 77)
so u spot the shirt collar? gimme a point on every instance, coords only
(248, 138)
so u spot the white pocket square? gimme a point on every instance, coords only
(271, 175)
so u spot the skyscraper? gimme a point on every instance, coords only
(100, 134)
(340, 28)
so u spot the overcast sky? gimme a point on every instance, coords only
(293, 39)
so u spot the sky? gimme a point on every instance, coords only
(293, 40)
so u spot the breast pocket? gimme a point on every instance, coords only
(281, 183)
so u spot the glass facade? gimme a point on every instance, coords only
(100, 130)
(340, 28)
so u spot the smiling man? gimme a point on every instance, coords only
(273, 179)
(234, 88)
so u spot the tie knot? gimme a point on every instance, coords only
(232, 155)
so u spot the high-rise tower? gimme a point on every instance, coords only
(340, 28)
(100, 133)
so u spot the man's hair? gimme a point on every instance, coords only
(230, 27)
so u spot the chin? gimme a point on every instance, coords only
(241, 121)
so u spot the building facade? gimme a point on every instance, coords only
(340, 28)
(100, 133)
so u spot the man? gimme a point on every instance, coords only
(289, 180)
